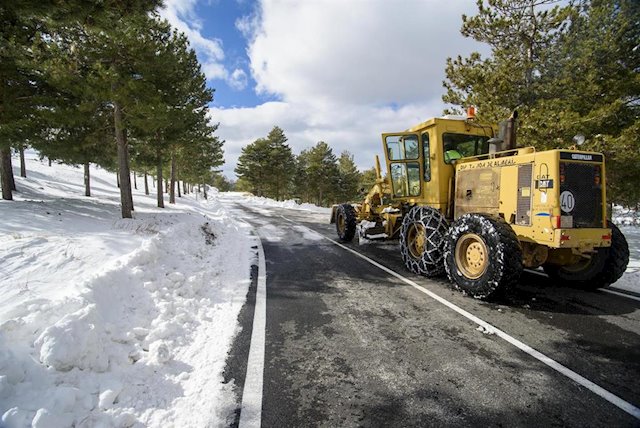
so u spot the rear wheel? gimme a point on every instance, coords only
(346, 222)
(421, 241)
(603, 268)
(482, 255)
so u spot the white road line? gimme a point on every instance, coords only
(610, 397)
(628, 296)
(251, 409)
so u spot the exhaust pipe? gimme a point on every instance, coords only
(509, 131)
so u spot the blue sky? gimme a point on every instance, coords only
(219, 22)
(339, 71)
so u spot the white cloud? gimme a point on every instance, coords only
(356, 129)
(345, 71)
(238, 79)
(181, 14)
(354, 52)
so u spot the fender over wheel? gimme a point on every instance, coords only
(421, 241)
(482, 255)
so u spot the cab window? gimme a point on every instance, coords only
(405, 178)
(456, 146)
(400, 147)
(427, 157)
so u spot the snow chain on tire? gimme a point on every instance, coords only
(489, 256)
(421, 241)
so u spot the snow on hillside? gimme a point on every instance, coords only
(111, 322)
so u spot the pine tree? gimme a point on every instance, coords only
(282, 164)
(322, 173)
(25, 23)
(349, 177)
(253, 166)
(522, 35)
(570, 70)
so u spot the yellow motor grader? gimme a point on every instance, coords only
(463, 199)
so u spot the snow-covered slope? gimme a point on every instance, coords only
(111, 322)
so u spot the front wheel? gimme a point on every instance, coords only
(346, 222)
(482, 255)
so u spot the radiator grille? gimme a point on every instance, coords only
(581, 193)
(523, 209)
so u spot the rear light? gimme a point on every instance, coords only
(596, 175)
(562, 174)
(606, 237)
(565, 237)
(556, 221)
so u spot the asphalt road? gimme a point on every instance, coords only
(348, 344)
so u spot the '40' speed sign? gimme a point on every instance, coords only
(567, 201)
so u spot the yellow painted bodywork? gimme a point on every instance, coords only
(498, 194)
(497, 184)
(435, 193)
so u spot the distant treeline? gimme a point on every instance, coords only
(268, 167)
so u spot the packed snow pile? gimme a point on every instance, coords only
(110, 322)
(257, 201)
(625, 217)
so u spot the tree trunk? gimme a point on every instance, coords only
(135, 181)
(159, 178)
(23, 164)
(146, 184)
(185, 190)
(126, 139)
(166, 185)
(172, 188)
(6, 171)
(123, 164)
(204, 188)
(49, 161)
(118, 179)
(87, 180)
(178, 182)
(12, 179)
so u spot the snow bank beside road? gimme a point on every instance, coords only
(107, 322)
(256, 201)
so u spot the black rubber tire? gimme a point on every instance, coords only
(618, 259)
(503, 258)
(429, 262)
(348, 213)
(605, 267)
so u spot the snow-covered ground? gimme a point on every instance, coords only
(111, 322)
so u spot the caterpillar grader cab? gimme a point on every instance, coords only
(463, 199)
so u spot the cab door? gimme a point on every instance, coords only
(405, 164)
